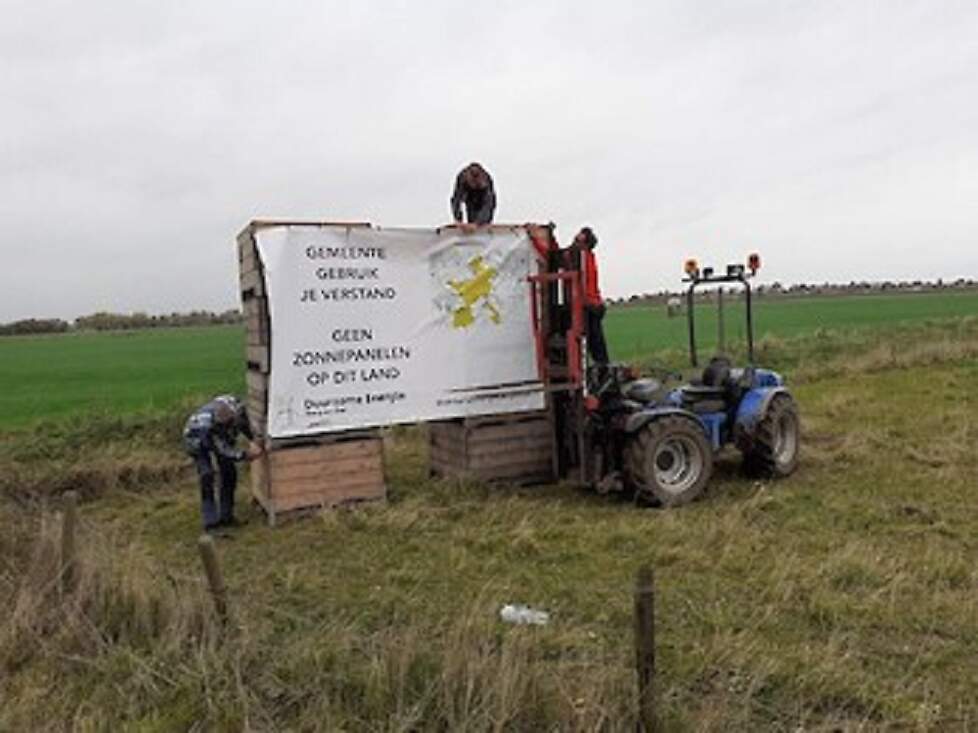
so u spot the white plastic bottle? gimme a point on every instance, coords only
(519, 614)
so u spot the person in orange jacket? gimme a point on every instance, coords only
(583, 247)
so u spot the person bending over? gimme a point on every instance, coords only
(209, 437)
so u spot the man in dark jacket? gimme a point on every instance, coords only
(473, 187)
(210, 435)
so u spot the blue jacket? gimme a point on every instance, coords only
(203, 432)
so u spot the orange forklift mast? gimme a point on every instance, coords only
(557, 311)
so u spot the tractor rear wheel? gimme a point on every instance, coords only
(669, 461)
(774, 449)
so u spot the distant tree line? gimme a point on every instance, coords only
(827, 289)
(103, 321)
(34, 325)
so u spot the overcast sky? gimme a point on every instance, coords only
(136, 138)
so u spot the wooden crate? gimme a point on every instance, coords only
(515, 449)
(324, 473)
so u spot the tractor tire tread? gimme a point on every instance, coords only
(760, 460)
(636, 459)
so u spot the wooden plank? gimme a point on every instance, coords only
(256, 381)
(449, 442)
(448, 447)
(248, 258)
(506, 432)
(509, 458)
(260, 478)
(447, 454)
(519, 463)
(252, 282)
(453, 460)
(250, 269)
(257, 356)
(245, 239)
(255, 307)
(254, 317)
(259, 427)
(447, 437)
(257, 406)
(337, 464)
(256, 416)
(507, 444)
(311, 493)
(257, 329)
(257, 384)
(256, 336)
(324, 453)
(320, 439)
(338, 472)
(494, 463)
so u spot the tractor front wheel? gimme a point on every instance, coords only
(669, 461)
(774, 449)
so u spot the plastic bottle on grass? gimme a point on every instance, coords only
(523, 615)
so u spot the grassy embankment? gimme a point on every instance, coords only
(845, 596)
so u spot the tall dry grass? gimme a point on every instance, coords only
(136, 642)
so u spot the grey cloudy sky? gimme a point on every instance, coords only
(840, 139)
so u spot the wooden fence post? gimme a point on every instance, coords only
(645, 647)
(214, 578)
(69, 520)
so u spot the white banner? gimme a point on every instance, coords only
(379, 326)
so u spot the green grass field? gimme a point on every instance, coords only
(56, 376)
(119, 372)
(637, 331)
(840, 599)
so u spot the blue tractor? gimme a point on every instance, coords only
(621, 433)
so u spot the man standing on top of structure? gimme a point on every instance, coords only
(212, 431)
(582, 257)
(473, 187)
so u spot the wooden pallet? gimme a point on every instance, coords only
(512, 449)
(321, 474)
